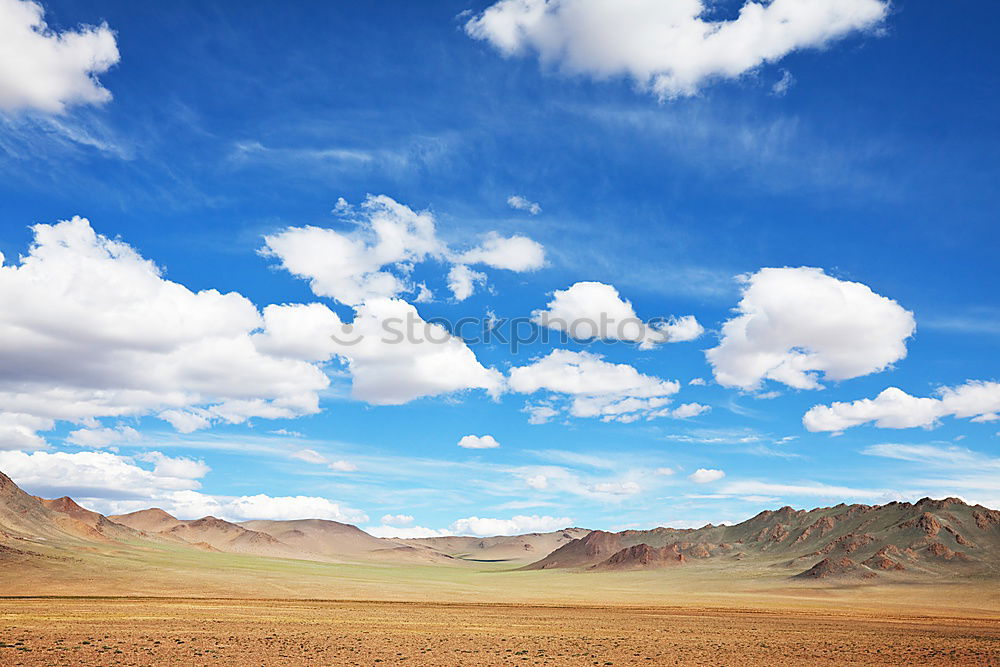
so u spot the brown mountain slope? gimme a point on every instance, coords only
(930, 537)
(23, 515)
(320, 536)
(153, 520)
(101, 524)
(515, 548)
(232, 538)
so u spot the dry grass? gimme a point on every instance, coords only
(90, 631)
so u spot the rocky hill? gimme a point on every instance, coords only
(859, 541)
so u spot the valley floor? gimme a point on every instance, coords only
(150, 631)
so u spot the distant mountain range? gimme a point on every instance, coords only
(926, 538)
(893, 542)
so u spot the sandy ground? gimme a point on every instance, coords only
(91, 631)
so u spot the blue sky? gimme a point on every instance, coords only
(865, 152)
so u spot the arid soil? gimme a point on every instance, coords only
(91, 631)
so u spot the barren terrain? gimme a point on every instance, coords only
(255, 632)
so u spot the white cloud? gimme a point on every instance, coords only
(406, 532)
(781, 86)
(312, 456)
(46, 70)
(187, 421)
(664, 471)
(521, 204)
(374, 260)
(351, 267)
(91, 329)
(588, 310)
(397, 520)
(517, 525)
(284, 508)
(811, 489)
(20, 431)
(668, 48)
(697, 382)
(478, 442)
(794, 323)
(100, 474)
(556, 480)
(706, 475)
(112, 484)
(342, 466)
(175, 467)
(938, 455)
(462, 281)
(286, 432)
(894, 408)
(596, 388)
(102, 437)
(514, 253)
(424, 294)
(626, 488)
(537, 482)
(539, 414)
(392, 354)
(687, 410)
(399, 357)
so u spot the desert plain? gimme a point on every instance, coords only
(896, 584)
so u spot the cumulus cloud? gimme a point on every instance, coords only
(353, 267)
(20, 431)
(398, 357)
(706, 475)
(179, 467)
(894, 408)
(91, 329)
(688, 410)
(393, 355)
(374, 259)
(102, 437)
(589, 310)
(669, 48)
(794, 323)
(100, 474)
(286, 508)
(406, 532)
(45, 70)
(518, 525)
(462, 281)
(513, 253)
(521, 204)
(478, 442)
(342, 466)
(113, 484)
(594, 387)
